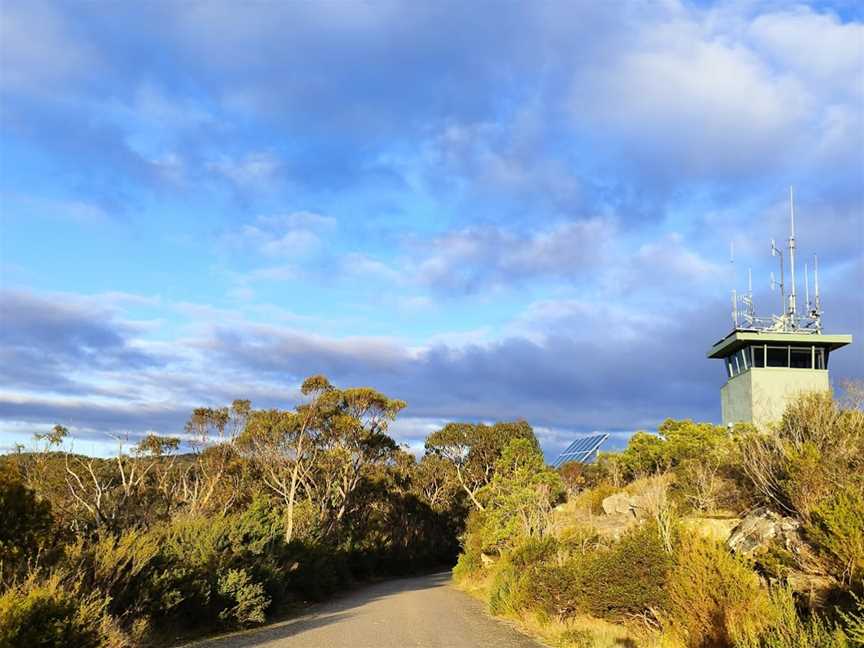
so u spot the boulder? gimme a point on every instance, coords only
(763, 527)
(627, 505)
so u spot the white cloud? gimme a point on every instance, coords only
(256, 169)
(478, 257)
(815, 45)
(282, 235)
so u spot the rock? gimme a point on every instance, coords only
(716, 529)
(624, 504)
(763, 527)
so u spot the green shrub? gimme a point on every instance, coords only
(52, 612)
(468, 564)
(713, 599)
(789, 630)
(505, 593)
(592, 499)
(837, 531)
(514, 571)
(247, 601)
(627, 577)
(24, 521)
(854, 620)
(556, 590)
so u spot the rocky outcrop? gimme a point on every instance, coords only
(762, 531)
(763, 527)
(618, 504)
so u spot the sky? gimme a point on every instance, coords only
(490, 210)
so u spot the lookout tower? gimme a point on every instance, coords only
(770, 360)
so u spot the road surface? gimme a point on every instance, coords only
(421, 612)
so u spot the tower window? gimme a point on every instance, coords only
(778, 356)
(801, 358)
(758, 355)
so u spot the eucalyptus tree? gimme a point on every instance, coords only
(473, 449)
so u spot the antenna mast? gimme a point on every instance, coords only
(793, 302)
(788, 320)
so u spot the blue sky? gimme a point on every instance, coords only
(490, 210)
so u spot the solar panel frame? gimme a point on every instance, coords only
(580, 450)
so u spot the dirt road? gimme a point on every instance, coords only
(422, 612)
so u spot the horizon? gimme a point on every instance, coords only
(489, 212)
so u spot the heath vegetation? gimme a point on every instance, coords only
(694, 536)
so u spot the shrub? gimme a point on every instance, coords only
(24, 520)
(52, 612)
(510, 586)
(609, 582)
(714, 599)
(468, 564)
(627, 578)
(837, 531)
(122, 567)
(505, 593)
(591, 499)
(555, 589)
(247, 601)
(789, 630)
(854, 620)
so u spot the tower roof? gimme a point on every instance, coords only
(738, 339)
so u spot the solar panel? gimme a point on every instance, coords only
(581, 450)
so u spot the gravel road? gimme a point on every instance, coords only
(421, 612)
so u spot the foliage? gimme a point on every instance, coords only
(625, 578)
(580, 575)
(248, 603)
(473, 449)
(24, 521)
(714, 600)
(817, 448)
(52, 612)
(836, 528)
(693, 591)
(592, 499)
(788, 629)
(519, 499)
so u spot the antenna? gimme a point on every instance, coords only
(778, 253)
(817, 304)
(787, 320)
(793, 305)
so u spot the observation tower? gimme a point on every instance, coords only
(770, 360)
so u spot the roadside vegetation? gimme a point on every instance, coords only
(692, 537)
(271, 508)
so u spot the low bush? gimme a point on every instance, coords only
(556, 590)
(713, 599)
(52, 612)
(24, 522)
(246, 601)
(836, 529)
(788, 629)
(628, 577)
(591, 500)
(610, 582)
